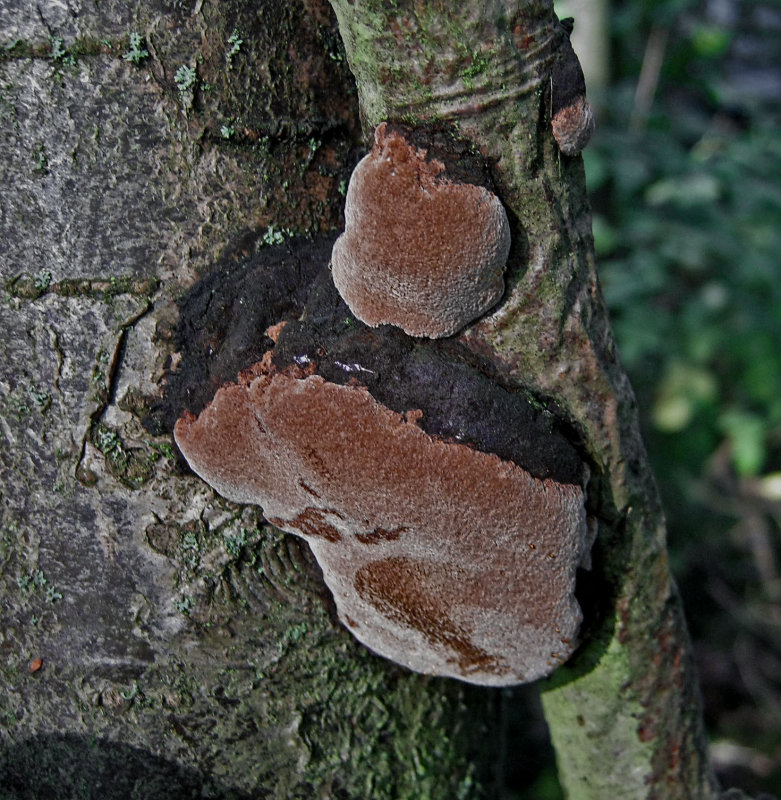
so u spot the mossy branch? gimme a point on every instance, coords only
(624, 714)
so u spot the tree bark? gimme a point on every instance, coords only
(624, 714)
(156, 640)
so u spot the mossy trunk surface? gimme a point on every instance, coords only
(624, 713)
(155, 640)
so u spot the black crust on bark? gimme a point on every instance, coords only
(567, 82)
(221, 331)
(224, 316)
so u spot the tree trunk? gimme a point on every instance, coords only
(159, 641)
(624, 714)
(156, 640)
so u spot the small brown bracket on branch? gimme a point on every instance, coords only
(424, 247)
(571, 117)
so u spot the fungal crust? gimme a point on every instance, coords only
(445, 559)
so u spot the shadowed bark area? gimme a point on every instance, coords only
(624, 713)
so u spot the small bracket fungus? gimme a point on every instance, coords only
(421, 249)
(440, 557)
(572, 120)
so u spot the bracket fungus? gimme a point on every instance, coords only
(422, 249)
(440, 557)
(572, 120)
(449, 547)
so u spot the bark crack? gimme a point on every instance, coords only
(112, 379)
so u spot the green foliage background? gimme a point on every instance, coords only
(687, 226)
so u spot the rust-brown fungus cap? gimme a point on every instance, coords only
(573, 126)
(440, 557)
(572, 120)
(420, 250)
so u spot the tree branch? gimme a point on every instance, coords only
(624, 713)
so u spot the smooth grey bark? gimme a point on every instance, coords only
(156, 640)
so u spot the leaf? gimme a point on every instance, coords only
(746, 434)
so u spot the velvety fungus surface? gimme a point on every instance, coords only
(420, 250)
(445, 559)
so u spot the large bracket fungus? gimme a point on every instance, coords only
(424, 246)
(447, 511)
(442, 558)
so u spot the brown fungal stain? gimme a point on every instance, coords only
(308, 489)
(274, 330)
(419, 595)
(381, 534)
(312, 523)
